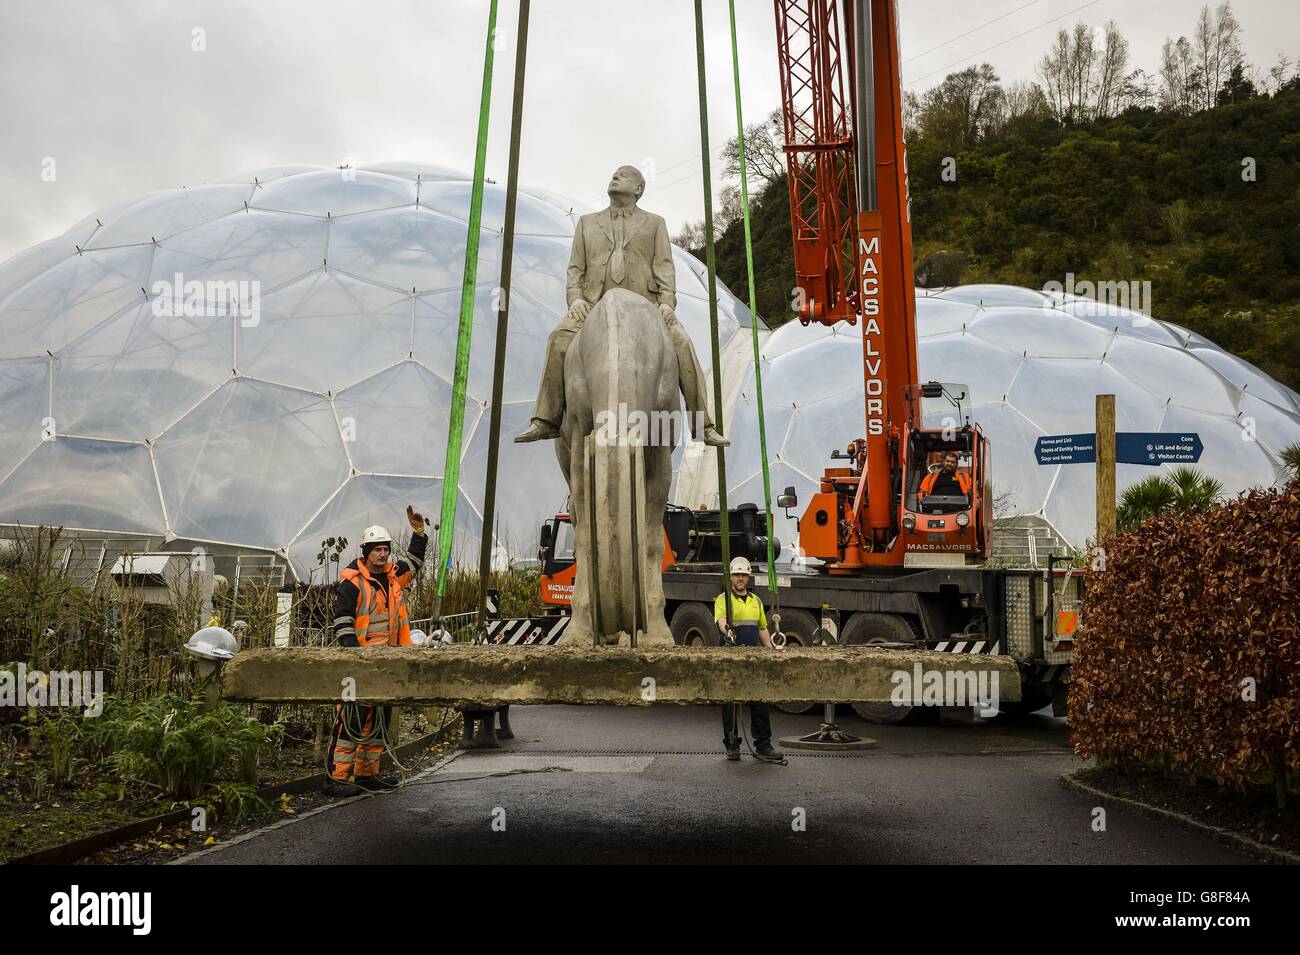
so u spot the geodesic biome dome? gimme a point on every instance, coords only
(1034, 364)
(300, 388)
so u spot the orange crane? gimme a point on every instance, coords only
(841, 98)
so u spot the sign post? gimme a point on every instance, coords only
(1105, 468)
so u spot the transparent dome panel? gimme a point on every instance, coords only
(71, 298)
(167, 214)
(532, 218)
(1019, 483)
(988, 370)
(539, 267)
(818, 429)
(1245, 375)
(792, 335)
(1060, 396)
(935, 316)
(994, 295)
(25, 397)
(819, 370)
(1128, 322)
(84, 484)
(1040, 332)
(410, 248)
(242, 465)
(530, 485)
(20, 269)
(437, 327)
(743, 458)
(338, 192)
(326, 331)
(396, 422)
(138, 372)
(1273, 428)
(1170, 374)
(265, 248)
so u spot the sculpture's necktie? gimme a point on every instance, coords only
(617, 267)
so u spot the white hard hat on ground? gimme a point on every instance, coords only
(375, 534)
(741, 566)
(213, 643)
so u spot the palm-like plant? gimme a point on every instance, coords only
(1144, 500)
(1184, 489)
(1193, 489)
(1291, 460)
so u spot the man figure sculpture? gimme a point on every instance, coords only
(621, 247)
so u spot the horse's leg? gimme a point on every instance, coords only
(658, 476)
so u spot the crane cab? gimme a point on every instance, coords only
(945, 503)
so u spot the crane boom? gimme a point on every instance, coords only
(850, 213)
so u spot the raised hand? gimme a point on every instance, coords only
(415, 518)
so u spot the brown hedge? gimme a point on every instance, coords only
(1181, 612)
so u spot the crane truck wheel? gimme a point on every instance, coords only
(872, 629)
(798, 627)
(692, 626)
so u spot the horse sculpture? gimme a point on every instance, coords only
(621, 423)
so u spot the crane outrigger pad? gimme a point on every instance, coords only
(488, 675)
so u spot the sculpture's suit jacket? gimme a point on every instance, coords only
(648, 258)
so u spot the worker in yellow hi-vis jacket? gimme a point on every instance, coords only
(748, 629)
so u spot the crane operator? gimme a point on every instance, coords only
(947, 481)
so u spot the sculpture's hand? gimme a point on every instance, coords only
(579, 310)
(670, 316)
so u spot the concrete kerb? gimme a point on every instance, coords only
(1227, 837)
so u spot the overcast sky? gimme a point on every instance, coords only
(114, 92)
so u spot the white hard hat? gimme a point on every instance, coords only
(375, 534)
(741, 566)
(213, 643)
(419, 638)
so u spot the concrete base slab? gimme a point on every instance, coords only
(486, 675)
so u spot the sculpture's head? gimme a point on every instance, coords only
(627, 184)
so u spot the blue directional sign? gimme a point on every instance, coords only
(1066, 449)
(1154, 448)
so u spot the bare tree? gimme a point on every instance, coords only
(1084, 81)
(729, 210)
(1217, 47)
(911, 112)
(691, 236)
(1067, 73)
(1278, 74)
(764, 160)
(1111, 92)
(1026, 99)
(1180, 78)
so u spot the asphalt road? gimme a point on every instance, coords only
(650, 785)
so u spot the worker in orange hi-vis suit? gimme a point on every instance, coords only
(370, 611)
(947, 480)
